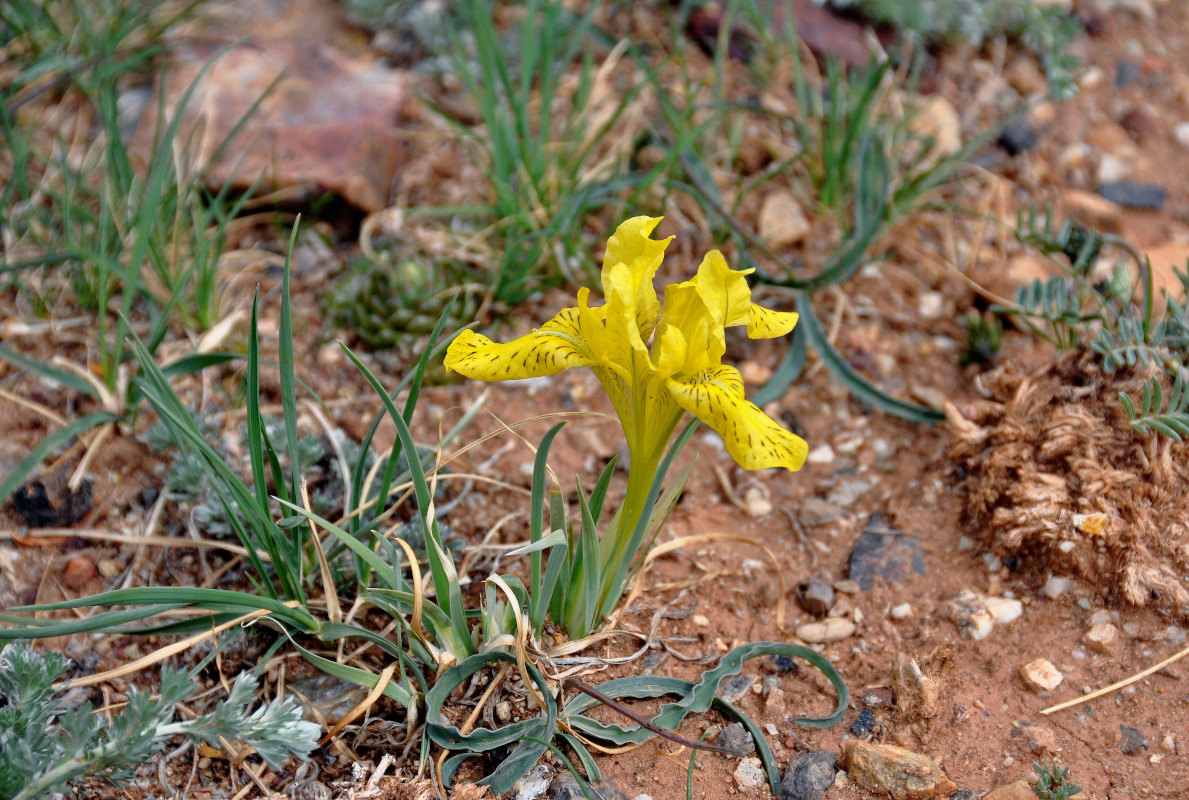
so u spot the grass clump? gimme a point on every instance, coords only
(553, 150)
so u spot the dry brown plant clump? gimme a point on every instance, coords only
(1055, 474)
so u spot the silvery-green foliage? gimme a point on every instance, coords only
(45, 746)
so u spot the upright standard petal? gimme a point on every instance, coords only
(752, 438)
(631, 245)
(555, 346)
(689, 337)
(727, 294)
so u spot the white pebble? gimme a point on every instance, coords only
(749, 776)
(931, 305)
(1182, 134)
(1004, 609)
(902, 611)
(821, 455)
(1056, 586)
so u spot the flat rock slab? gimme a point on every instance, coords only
(895, 772)
(329, 124)
(882, 551)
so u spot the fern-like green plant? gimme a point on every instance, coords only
(1123, 329)
(1167, 415)
(1052, 309)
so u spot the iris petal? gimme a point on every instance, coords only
(752, 438)
(630, 245)
(728, 296)
(555, 346)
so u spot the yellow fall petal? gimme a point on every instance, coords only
(765, 323)
(752, 438)
(630, 245)
(555, 346)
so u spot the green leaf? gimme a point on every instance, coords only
(526, 753)
(859, 386)
(47, 445)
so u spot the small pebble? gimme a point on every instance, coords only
(735, 737)
(815, 596)
(931, 305)
(902, 611)
(79, 570)
(1040, 676)
(1134, 194)
(1004, 609)
(1056, 586)
(749, 776)
(733, 689)
(1103, 638)
(823, 454)
(1018, 136)
(700, 620)
(1181, 133)
(834, 629)
(864, 724)
(1131, 741)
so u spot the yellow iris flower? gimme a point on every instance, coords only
(654, 363)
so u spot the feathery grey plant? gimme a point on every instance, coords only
(45, 746)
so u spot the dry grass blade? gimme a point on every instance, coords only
(333, 610)
(36, 408)
(469, 724)
(418, 595)
(126, 538)
(363, 705)
(93, 444)
(1117, 685)
(164, 653)
(521, 640)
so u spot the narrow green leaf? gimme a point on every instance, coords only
(854, 382)
(47, 445)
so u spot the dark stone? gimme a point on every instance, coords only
(733, 689)
(785, 665)
(815, 596)
(148, 496)
(877, 697)
(882, 551)
(964, 794)
(735, 737)
(808, 776)
(864, 724)
(1018, 136)
(1134, 194)
(1138, 123)
(565, 787)
(42, 507)
(1126, 72)
(1131, 741)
